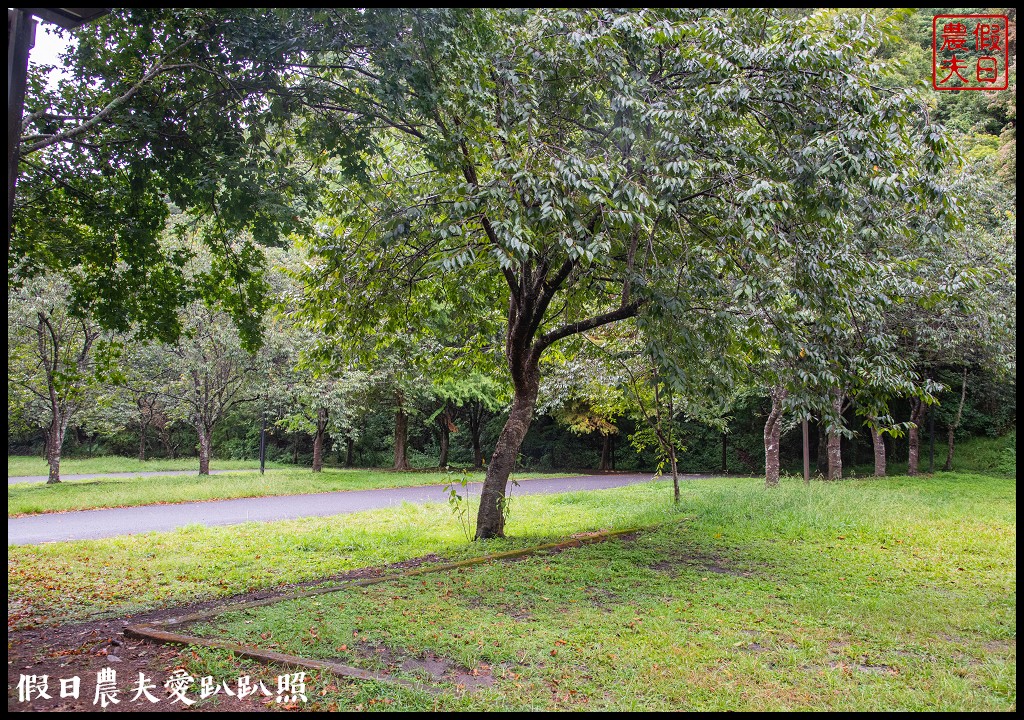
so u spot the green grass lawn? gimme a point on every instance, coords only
(861, 595)
(21, 465)
(866, 596)
(31, 498)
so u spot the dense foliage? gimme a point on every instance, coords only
(542, 239)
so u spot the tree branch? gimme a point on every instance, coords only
(626, 311)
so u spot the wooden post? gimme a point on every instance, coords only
(21, 33)
(807, 454)
(263, 443)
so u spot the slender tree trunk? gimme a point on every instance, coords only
(835, 448)
(318, 451)
(917, 410)
(878, 443)
(142, 442)
(491, 517)
(204, 450)
(675, 473)
(772, 438)
(606, 453)
(401, 434)
(950, 442)
(951, 432)
(350, 452)
(54, 445)
(318, 440)
(725, 462)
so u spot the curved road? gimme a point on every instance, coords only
(92, 524)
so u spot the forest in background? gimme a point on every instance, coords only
(414, 402)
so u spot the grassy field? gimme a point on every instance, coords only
(866, 596)
(22, 465)
(32, 498)
(862, 595)
(72, 580)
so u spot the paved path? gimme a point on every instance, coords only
(11, 480)
(91, 524)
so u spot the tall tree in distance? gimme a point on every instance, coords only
(52, 359)
(216, 374)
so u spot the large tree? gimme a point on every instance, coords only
(158, 111)
(581, 167)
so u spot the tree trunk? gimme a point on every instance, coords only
(725, 462)
(491, 517)
(956, 422)
(835, 448)
(204, 450)
(401, 434)
(878, 443)
(350, 450)
(318, 440)
(950, 442)
(772, 437)
(606, 453)
(917, 409)
(54, 444)
(142, 443)
(675, 473)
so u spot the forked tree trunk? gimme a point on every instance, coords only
(772, 437)
(491, 517)
(917, 409)
(401, 434)
(204, 450)
(951, 432)
(878, 443)
(835, 448)
(318, 439)
(606, 453)
(350, 449)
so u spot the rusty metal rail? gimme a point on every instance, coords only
(157, 631)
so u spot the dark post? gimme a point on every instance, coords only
(931, 432)
(21, 32)
(263, 442)
(807, 455)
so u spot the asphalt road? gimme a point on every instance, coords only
(92, 524)
(148, 473)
